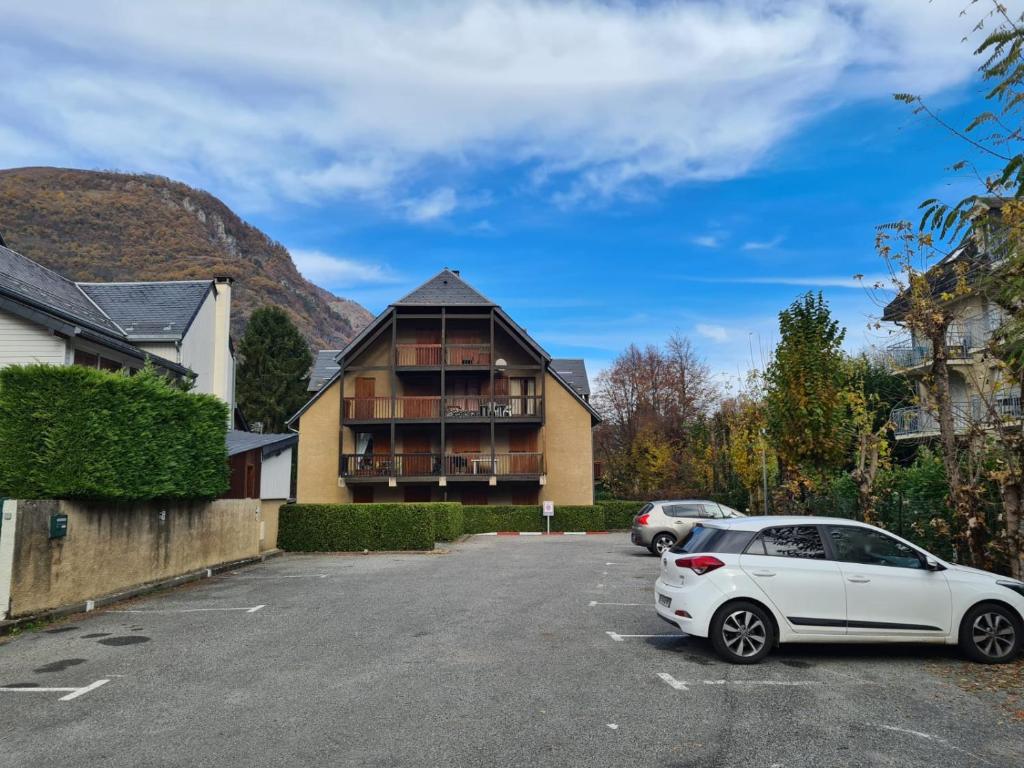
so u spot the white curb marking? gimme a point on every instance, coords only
(250, 609)
(619, 638)
(72, 693)
(679, 685)
(592, 603)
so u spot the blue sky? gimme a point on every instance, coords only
(608, 172)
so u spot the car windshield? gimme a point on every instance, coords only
(705, 539)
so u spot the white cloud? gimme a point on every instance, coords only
(323, 268)
(763, 245)
(713, 332)
(305, 99)
(834, 281)
(707, 241)
(436, 205)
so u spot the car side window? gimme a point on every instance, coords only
(713, 511)
(684, 510)
(801, 541)
(853, 544)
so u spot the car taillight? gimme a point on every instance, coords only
(700, 564)
(642, 520)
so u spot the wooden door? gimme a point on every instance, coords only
(523, 441)
(416, 457)
(464, 446)
(365, 389)
(417, 493)
(381, 460)
(476, 496)
(427, 351)
(362, 494)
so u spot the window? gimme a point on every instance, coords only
(685, 510)
(701, 539)
(868, 547)
(86, 359)
(791, 541)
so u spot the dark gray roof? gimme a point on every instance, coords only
(151, 311)
(325, 365)
(574, 371)
(240, 442)
(445, 289)
(24, 279)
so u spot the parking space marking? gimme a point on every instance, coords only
(619, 638)
(282, 576)
(683, 685)
(249, 609)
(592, 603)
(930, 737)
(72, 693)
(679, 685)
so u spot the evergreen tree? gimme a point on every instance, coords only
(271, 375)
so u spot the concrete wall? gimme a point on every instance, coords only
(112, 548)
(23, 343)
(568, 446)
(270, 510)
(318, 451)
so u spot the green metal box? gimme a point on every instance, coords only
(58, 526)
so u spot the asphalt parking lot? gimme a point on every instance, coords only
(517, 651)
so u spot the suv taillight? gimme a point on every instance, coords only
(642, 520)
(700, 564)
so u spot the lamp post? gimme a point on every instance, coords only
(764, 470)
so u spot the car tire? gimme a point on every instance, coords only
(991, 634)
(742, 632)
(662, 543)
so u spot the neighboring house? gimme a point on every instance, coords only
(181, 326)
(444, 397)
(979, 395)
(261, 468)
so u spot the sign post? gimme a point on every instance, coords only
(549, 512)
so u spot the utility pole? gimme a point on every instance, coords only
(764, 470)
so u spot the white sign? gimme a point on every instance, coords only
(549, 509)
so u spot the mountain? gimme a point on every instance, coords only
(99, 226)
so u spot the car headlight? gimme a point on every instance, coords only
(1016, 586)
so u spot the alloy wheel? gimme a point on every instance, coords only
(993, 634)
(662, 544)
(744, 633)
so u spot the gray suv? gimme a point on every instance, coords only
(660, 524)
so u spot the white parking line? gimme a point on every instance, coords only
(249, 609)
(682, 685)
(72, 693)
(300, 576)
(592, 603)
(619, 638)
(679, 685)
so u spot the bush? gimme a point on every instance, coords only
(485, 519)
(619, 514)
(355, 527)
(449, 520)
(77, 433)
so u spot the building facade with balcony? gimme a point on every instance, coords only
(443, 397)
(981, 398)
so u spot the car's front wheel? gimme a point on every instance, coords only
(742, 633)
(662, 543)
(991, 634)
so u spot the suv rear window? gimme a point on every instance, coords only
(703, 539)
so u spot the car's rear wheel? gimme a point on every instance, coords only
(742, 633)
(662, 543)
(991, 634)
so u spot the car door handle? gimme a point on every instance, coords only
(764, 573)
(859, 579)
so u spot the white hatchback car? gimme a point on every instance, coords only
(750, 583)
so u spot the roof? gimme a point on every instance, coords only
(156, 311)
(574, 371)
(445, 289)
(325, 365)
(271, 443)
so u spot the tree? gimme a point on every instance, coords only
(803, 395)
(271, 374)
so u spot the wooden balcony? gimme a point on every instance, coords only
(455, 465)
(454, 355)
(454, 407)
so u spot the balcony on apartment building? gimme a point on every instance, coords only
(454, 355)
(463, 408)
(906, 354)
(920, 422)
(453, 466)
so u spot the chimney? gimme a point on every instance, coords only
(456, 272)
(223, 360)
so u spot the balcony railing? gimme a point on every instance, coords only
(960, 341)
(430, 355)
(455, 407)
(919, 421)
(436, 464)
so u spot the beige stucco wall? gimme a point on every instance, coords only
(111, 548)
(568, 446)
(317, 481)
(270, 512)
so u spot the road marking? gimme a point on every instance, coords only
(575, 533)
(619, 638)
(299, 576)
(613, 726)
(72, 693)
(763, 682)
(250, 609)
(930, 737)
(679, 685)
(531, 533)
(611, 563)
(592, 603)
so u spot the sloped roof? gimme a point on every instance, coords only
(240, 442)
(151, 311)
(445, 289)
(574, 371)
(25, 279)
(325, 365)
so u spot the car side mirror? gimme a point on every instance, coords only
(933, 565)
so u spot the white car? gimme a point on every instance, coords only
(750, 583)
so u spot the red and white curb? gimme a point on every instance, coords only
(542, 533)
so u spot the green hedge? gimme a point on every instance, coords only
(77, 433)
(355, 527)
(449, 520)
(619, 514)
(485, 519)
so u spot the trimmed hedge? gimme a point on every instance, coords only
(355, 527)
(449, 520)
(71, 432)
(485, 519)
(619, 514)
